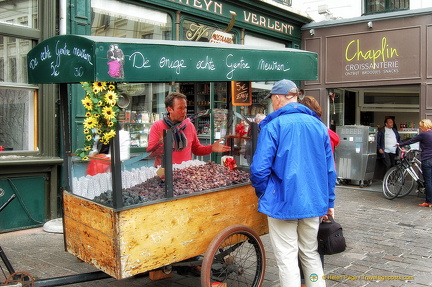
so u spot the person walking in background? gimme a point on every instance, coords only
(387, 138)
(313, 104)
(425, 140)
(294, 178)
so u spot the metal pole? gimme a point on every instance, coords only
(254, 139)
(71, 279)
(7, 202)
(3, 256)
(116, 170)
(66, 134)
(167, 163)
(6, 262)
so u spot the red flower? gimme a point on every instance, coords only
(240, 130)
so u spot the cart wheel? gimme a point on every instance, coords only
(236, 257)
(22, 277)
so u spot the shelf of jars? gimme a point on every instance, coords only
(138, 124)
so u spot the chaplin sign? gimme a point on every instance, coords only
(374, 56)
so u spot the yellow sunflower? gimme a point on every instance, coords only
(109, 135)
(90, 122)
(87, 103)
(99, 87)
(108, 113)
(101, 114)
(111, 97)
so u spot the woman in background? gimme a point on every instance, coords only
(425, 140)
(313, 104)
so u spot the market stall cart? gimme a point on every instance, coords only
(126, 220)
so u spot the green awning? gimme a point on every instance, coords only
(73, 59)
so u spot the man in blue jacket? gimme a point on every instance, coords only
(294, 177)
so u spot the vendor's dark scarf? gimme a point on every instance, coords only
(179, 138)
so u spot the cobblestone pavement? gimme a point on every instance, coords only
(389, 244)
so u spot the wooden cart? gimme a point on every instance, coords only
(222, 224)
(132, 241)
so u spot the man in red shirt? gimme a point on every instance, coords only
(185, 138)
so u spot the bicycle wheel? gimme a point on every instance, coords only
(236, 257)
(397, 183)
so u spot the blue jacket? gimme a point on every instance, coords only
(293, 168)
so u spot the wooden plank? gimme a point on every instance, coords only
(88, 212)
(164, 233)
(90, 234)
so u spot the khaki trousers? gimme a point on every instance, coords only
(292, 239)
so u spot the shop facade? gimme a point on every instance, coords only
(34, 164)
(373, 67)
(29, 139)
(252, 23)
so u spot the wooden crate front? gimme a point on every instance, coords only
(90, 233)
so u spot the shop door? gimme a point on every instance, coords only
(342, 107)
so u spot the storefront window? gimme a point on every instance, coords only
(19, 12)
(144, 104)
(118, 19)
(13, 60)
(18, 119)
(374, 6)
(17, 105)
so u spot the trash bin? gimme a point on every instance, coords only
(355, 155)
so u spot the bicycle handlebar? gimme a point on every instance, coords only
(401, 152)
(404, 153)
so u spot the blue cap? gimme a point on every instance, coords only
(283, 87)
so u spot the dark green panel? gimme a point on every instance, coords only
(62, 59)
(186, 62)
(163, 61)
(257, 16)
(78, 115)
(79, 14)
(29, 208)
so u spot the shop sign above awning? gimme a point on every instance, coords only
(73, 59)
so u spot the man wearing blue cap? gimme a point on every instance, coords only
(294, 178)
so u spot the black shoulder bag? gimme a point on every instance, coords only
(330, 237)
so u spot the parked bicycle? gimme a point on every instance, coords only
(401, 179)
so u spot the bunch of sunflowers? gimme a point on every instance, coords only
(100, 120)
